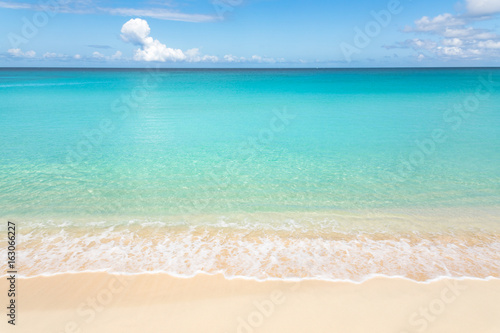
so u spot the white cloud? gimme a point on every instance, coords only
(483, 7)
(450, 26)
(446, 48)
(17, 53)
(194, 55)
(451, 51)
(98, 55)
(452, 37)
(489, 44)
(415, 43)
(48, 55)
(259, 59)
(136, 31)
(453, 42)
(440, 22)
(232, 58)
(252, 59)
(30, 54)
(153, 50)
(467, 32)
(116, 56)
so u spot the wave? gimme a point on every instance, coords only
(180, 276)
(288, 250)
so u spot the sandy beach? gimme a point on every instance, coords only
(101, 302)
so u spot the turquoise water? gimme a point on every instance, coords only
(334, 174)
(203, 141)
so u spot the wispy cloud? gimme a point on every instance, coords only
(15, 5)
(86, 7)
(159, 13)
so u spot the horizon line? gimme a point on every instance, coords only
(254, 68)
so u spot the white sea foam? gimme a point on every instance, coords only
(289, 250)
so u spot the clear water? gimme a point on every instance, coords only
(167, 145)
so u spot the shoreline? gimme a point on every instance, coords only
(328, 245)
(255, 279)
(102, 302)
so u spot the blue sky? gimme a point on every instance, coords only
(249, 33)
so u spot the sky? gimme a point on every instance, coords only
(249, 33)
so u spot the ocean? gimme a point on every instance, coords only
(337, 174)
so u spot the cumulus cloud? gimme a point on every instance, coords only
(153, 50)
(440, 22)
(489, 44)
(453, 42)
(95, 56)
(232, 58)
(194, 55)
(98, 55)
(52, 55)
(101, 57)
(450, 26)
(17, 53)
(252, 59)
(136, 31)
(58, 56)
(116, 56)
(452, 37)
(483, 7)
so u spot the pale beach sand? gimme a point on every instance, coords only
(101, 302)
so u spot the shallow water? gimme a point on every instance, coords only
(96, 149)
